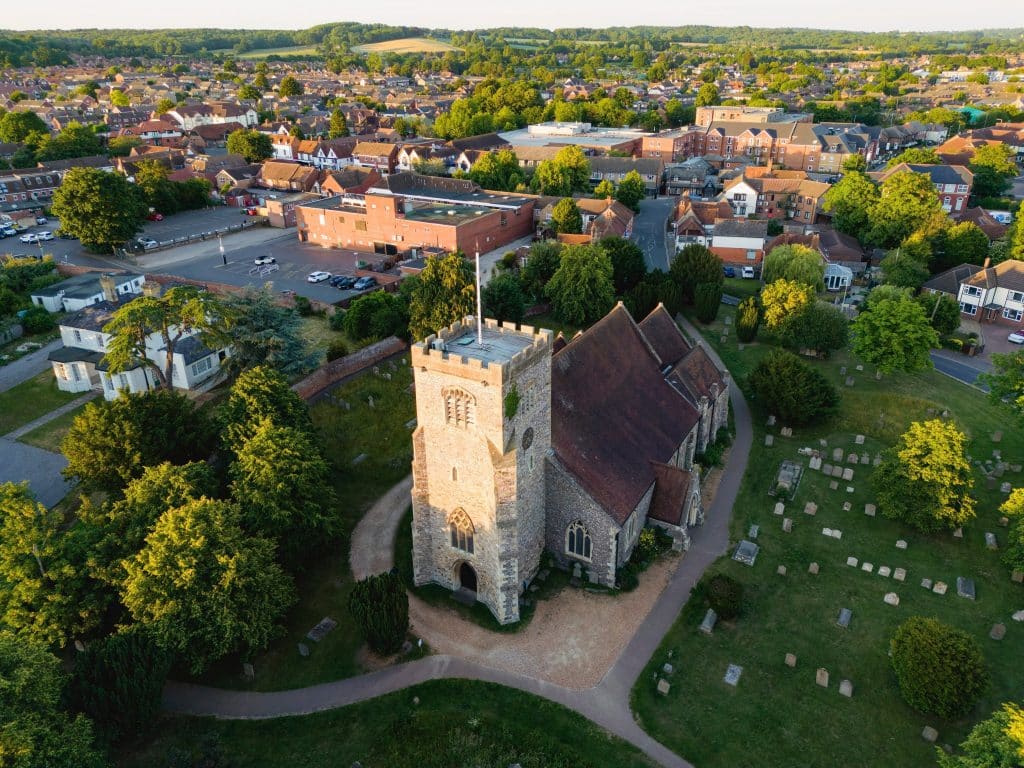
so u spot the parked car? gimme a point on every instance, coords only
(363, 283)
(41, 220)
(154, 216)
(250, 211)
(148, 242)
(318, 277)
(748, 273)
(1017, 337)
(29, 237)
(342, 281)
(44, 235)
(264, 260)
(728, 271)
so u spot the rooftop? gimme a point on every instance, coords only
(499, 346)
(437, 213)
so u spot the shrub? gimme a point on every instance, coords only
(1013, 558)
(791, 389)
(940, 669)
(37, 320)
(725, 596)
(707, 299)
(748, 318)
(303, 307)
(337, 348)
(626, 578)
(646, 548)
(380, 606)
(337, 321)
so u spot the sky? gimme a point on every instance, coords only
(863, 15)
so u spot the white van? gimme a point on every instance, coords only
(747, 273)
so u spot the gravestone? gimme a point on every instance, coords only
(965, 587)
(997, 632)
(865, 459)
(786, 431)
(847, 506)
(990, 541)
(746, 552)
(1004, 521)
(813, 569)
(847, 474)
(869, 510)
(787, 525)
(710, 619)
(79, 646)
(826, 469)
(849, 489)
(849, 381)
(884, 571)
(867, 567)
(369, 401)
(410, 424)
(842, 370)
(900, 574)
(860, 367)
(303, 650)
(732, 674)
(815, 462)
(852, 562)
(1017, 577)
(852, 458)
(837, 471)
(1005, 488)
(836, 533)
(859, 439)
(877, 460)
(249, 671)
(754, 530)
(359, 459)
(846, 688)
(926, 583)
(1018, 616)
(940, 588)
(664, 687)
(837, 454)
(790, 659)
(771, 420)
(769, 441)
(833, 485)
(901, 544)
(929, 734)
(781, 570)
(826, 532)
(845, 614)
(821, 677)
(780, 508)
(997, 437)
(810, 508)
(667, 668)
(891, 598)
(958, 533)
(322, 629)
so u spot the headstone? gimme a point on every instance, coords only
(667, 668)
(826, 469)
(833, 485)
(815, 462)
(865, 459)
(813, 569)
(901, 544)
(997, 632)
(771, 420)
(369, 401)
(859, 439)
(836, 533)
(842, 370)
(837, 454)
(779, 508)
(359, 459)
(837, 471)
(852, 562)
(884, 570)
(847, 474)
(846, 688)
(787, 525)
(940, 588)
(303, 649)
(929, 734)
(322, 629)
(847, 506)
(810, 508)
(821, 677)
(1004, 521)
(852, 458)
(781, 570)
(769, 440)
(1018, 616)
(786, 431)
(900, 574)
(249, 671)
(754, 530)
(732, 674)
(867, 567)
(958, 533)
(664, 687)
(746, 552)
(878, 375)
(1005, 488)
(849, 489)
(790, 659)
(860, 367)
(926, 583)
(965, 587)
(869, 510)
(1017, 577)
(997, 437)
(849, 381)
(826, 532)
(877, 460)
(990, 541)
(891, 598)
(845, 614)
(710, 618)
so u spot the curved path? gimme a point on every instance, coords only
(606, 704)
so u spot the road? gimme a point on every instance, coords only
(649, 231)
(961, 371)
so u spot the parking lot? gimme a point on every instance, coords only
(189, 223)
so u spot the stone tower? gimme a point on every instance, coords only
(483, 429)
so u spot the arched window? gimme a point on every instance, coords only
(577, 541)
(459, 407)
(461, 529)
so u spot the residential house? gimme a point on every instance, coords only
(383, 157)
(81, 291)
(242, 177)
(615, 169)
(190, 116)
(740, 242)
(352, 180)
(776, 195)
(695, 220)
(694, 177)
(995, 294)
(952, 183)
(287, 177)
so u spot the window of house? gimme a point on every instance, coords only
(968, 309)
(78, 335)
(751, 255)
(577, 541)
(360, 226)
(109, 382)
(202, 366)
(78, 376)
(972, 290)
(1017, 296)
(1012, 314)
(455, 474)
(461, 529)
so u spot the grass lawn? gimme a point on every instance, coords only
(381, 434)
(30, 400)
(317, 334)
(457, 723)
(779, 712)
(737, 286)
(262, 53)
(49, 435)
(548, 321)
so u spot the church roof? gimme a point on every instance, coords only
(613, 413)
(664, 336)
(697, 376)
(671, 490)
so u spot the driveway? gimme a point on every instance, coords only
(649, 231)
(27, 366)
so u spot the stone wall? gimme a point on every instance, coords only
(336, 370)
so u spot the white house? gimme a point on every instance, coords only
(191, 116)
(742, 197)
(994, 294)
(79, 365)
(80, 291)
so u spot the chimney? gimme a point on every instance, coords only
(987, 264)
(151, 288)
(109, 289)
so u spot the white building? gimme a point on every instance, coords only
(995, 294)
(81, 291)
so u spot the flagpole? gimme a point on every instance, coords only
(479, 306)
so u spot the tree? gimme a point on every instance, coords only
(993, 166)
(1013, 557)
(782, 300)
(631, 190)
(725, 596)
(111, 443)
(36, 732)
(855, 164)
(708, 96)
(693, 265)
(281, 483)
(203, 588)
(895, 335)
(380, 606)
(163, 106)
(850, 201)
(940, 669)
(604, 190)
(997, 742)
(289, 86)
(567, 172)
(581, 291)
(821, 327)
(122, 146)
(338, 125)
(183, 312)
(498, 170)
(101, 209)
(792, 390)
(907, 201)
(254, 146)
(444, 293)
(945, 317)
(260, 394)
(797, 263)
(152, 179)
(264, 333)
(249, 93)
(915, 156)
(503, 299)
(900, 268)
(748, 318)
(707, 298)
(18, 125)
(76, 140)
(678, 115)
(925, 479)
(962, 243)
(566, 217)
(376, 315)
(628, 265)
(118, 683)
(541, 265)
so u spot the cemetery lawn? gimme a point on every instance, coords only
(323, 590)
(457, 722)
(778, 716)
(31, 399)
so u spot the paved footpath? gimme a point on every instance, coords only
(27, 366)
(607, 704)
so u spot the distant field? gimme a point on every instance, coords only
(262, 53)
(406, 45)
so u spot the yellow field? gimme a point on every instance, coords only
(406, 45)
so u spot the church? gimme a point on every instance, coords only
(528, 443)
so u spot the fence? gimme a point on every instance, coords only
(186, 239)
(343, 367)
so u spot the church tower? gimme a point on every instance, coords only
(483, 414)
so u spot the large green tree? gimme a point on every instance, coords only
(101, 209)
(783, 300)
(907, 201)
(1006, 381)
(581, 291)
(993, 166)
(566, 217)
(943, 312)
(795, 262)
(16, 126)
(541, 265)
(708, 96)
(694, 265)
(820, 327)
(338, 125)
(289, 86)
(567, 172)
(903, 269)
(962, 243)
(628, 265)
(254, 146)
(377, 315)
(498, 170)
(631, 190)
(504, 299)
(786, 386)
(444, 294)
(925, 479)
(996, 742)
(262, 332)
(915, 156)
(850, 202)
(259, 394)
(205, 589)
(895, 335)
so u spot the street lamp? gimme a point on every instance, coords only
(220, 246)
